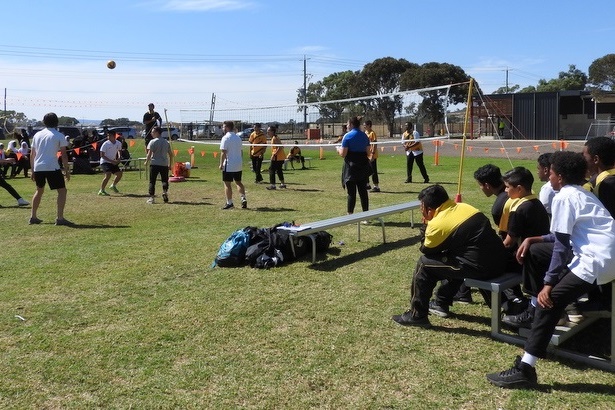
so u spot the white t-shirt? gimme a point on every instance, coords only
(415, 137)
(546, 195)
(231, 143)
(110, 150)
(591, 227)
(46, 143)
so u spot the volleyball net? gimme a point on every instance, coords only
(322, 121)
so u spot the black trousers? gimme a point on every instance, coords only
(276, 168)
(9, 188)
(352, 188)
(535, 264)
(569, 289)
(427, 274)
(154, 171)
(257, 163)
(374, 164)
(410, 159)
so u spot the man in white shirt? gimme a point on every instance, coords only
(45, 168)
(231, 165)
(109, 163)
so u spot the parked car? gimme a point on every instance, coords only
(175, 133)
(245, 134)
(127, 132)
(70, 131)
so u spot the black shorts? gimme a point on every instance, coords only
(231, 176)
(110, 168)
(55, 179)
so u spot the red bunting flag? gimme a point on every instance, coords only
(19, 155)
(77, 150)
(470, 149)
(95, 145)
(456, 146)
(215, 154)
(175, 152)
(202, 153)
(131, 143)
(59, 154)
(394, 147)
(535, 147)
(502, 150)
(518, 149)
(554, 145)
(486, 149)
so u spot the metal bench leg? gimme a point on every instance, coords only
(358, 231)
(313, 238)
(384, 238)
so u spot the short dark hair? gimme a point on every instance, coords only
(519, 176)
(489, 174)
(258, 124)
(155, 129)
(544, 160)
(433, 196)
(368, 122)
(50, 120)
(229, 124)
(570, 165)
(604, 148)
(355, 121)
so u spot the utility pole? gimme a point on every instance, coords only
(506, 80)
(305, 92)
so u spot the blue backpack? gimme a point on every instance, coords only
(232, 252)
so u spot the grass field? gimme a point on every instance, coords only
(124, 310)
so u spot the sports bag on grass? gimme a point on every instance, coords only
(232, 252)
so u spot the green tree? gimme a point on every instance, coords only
(12, 119)
(573, 79)
(382, 77)
(336, 86)
(432, 108)
(118, 122)
(602, 73)
(67, 121)
(507, 90)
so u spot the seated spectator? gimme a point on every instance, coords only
(295, 155)
(23, 159)
(581, 227)
(11, 153)
(124, 153)
(459, 243)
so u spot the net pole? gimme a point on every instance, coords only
(463, 142)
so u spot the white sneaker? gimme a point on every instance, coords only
(22, 202)
(150, 201)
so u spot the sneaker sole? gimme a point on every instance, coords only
(512, 385)
(438, 313)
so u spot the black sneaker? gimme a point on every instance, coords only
(465, 299)
(408, 181)
(520, 375)
(228, 206)
(438, 310)
(409, 319)
(375, 189)
(35, 221)
(368, 187)
(522, 320)
(64, 222)
(165, 197)
(244, 203)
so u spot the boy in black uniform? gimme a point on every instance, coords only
(459, 243)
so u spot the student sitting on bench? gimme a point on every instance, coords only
(295, 155)
(580, 226)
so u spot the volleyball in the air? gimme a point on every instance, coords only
(111, 64)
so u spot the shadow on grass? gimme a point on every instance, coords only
(585, 388)
(268, 209)
(332, 265)
(96, 226)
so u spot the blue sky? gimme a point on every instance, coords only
(176, 53)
